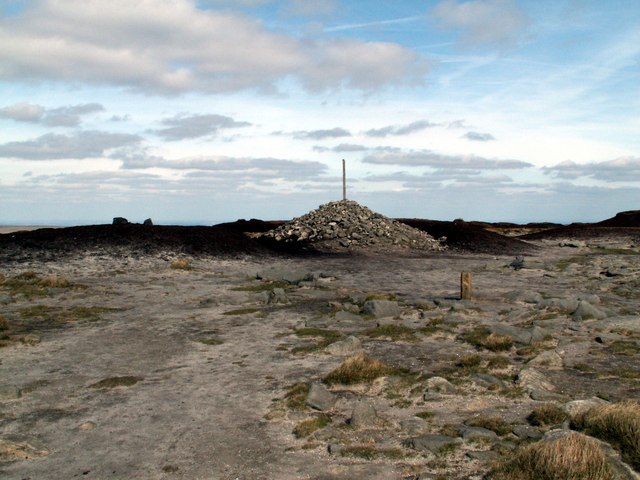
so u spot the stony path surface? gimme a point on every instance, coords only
(199, 362)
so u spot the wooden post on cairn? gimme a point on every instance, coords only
(344, 180)
(465, 286)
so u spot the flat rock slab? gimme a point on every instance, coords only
(431, 442)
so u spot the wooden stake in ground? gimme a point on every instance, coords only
(344, 180)
(465, 286)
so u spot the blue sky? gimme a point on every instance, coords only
(198, 112)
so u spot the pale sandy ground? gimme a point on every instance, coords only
(204, 411)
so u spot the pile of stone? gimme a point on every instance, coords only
(347, 224)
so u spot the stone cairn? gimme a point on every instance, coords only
(347, 224)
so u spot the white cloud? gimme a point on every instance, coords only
(483, 22)
(478, 137)
(336, 132)
(54, 117)
(623, 169)
(400, 129)
(172, 47)
(182, 126)
(428, 158)
(80, 145)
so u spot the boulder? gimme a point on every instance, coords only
(349, 346)
(120, 221)
(364, 415)
(148, 222)
(320, 398)
(431, 442)
(381, 308)
(585, 311)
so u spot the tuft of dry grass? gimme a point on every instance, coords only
(369, 452)
(55, 281)
(358, 369)
(180, 264)
(572, 457)
(4, 324)
(482, 337)
(547, 415)
(618, 424)
(498, 343)
(493, 423)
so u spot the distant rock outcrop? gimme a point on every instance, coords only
(347, 224)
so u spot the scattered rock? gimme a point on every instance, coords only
(585, 311)
(320, 398)
(381, 308)
(120, 221)
(487, 380)
(276, 296)
(518, 263)
(525, 296)
(364, 415)
(431, 442)
(439, 385)
(549, 359)
(535, 383)
(346, 224)
(527, 432)
(148, 222)
(290, 275)
(349, 346)
(578, 407)
(477, 433)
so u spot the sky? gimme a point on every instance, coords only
(201, 112)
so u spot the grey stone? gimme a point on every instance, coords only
(543, 395)
(531, 380)
(579, 407)
(439, 385)
(277, 296)
(518, 263)
(414, 425)
(585, 311)
(431, 442)
(567, 305)
(526, 296)
(364, 415)
(120, 221)
(549, 359)
(148, 222)
(289, 275)
(487, 380)
(483, 455)
(349, 346)
(477, 433)
(320, 398)
(527, 432)
(518, 334)
(381, 308)
(5, 298)
(316, 323)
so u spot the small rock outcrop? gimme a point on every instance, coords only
(347, 224)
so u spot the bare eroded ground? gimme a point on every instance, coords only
(133, 369)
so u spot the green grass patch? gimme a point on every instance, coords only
(625, 347)
(327, 337)
(113, 382)
(241, 311)
(426, 414)
(498, 362)
(307, 427)
(547, 415)
(393, 332)
(30, 285)
(211, 341)
(493, 423)
(296, 397)
(368, 452)
(262, 286)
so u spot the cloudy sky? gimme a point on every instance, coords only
(198, 112)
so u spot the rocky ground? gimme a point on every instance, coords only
(137, 359)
